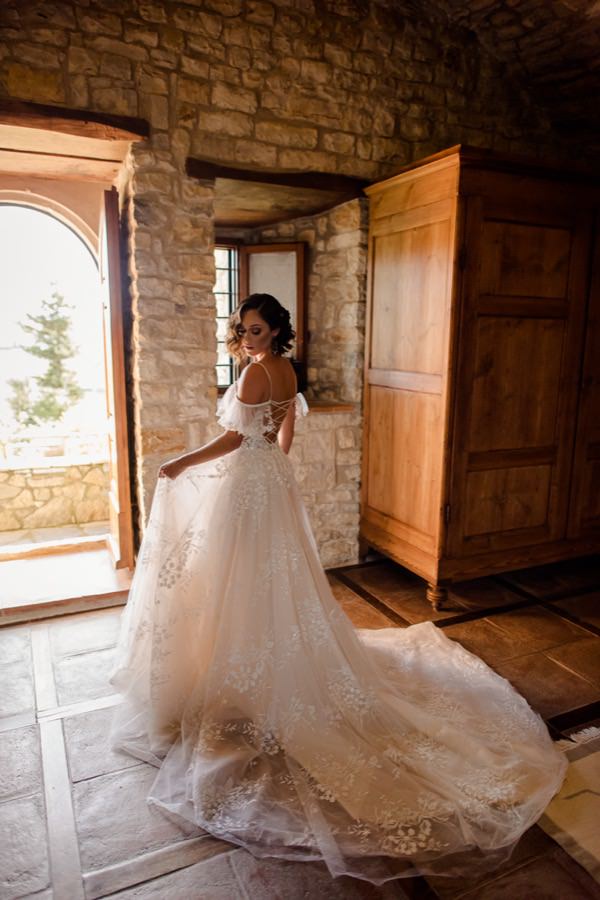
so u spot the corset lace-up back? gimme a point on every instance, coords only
(259, 423)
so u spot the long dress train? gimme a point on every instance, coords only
(277, 725)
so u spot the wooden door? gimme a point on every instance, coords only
(584, 519)
(524, 291)
(411, 258)
(121, 534)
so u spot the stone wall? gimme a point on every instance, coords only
(336, 295)
(53, 495)
(326, 459)
(354, 87)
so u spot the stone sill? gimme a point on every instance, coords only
(329, 406)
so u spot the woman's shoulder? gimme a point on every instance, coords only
(252, 386)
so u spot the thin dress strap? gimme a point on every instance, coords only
(257, 363)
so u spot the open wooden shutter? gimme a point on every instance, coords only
(121, 534)
(278, 269)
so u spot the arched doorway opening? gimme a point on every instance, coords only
(53, 440)
(59, 472)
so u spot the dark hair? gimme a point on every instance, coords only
(274, 314)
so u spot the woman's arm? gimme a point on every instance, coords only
(219, 446)
(285, 435)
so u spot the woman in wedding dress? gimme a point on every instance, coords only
(274, 723)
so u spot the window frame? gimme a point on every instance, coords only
(234, 294)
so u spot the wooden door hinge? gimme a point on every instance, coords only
(447, 513)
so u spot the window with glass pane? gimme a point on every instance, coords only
(226, 296)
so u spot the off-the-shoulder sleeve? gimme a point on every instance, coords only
(301, 406)
(234, 415)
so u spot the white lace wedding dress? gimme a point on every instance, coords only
(276, 724)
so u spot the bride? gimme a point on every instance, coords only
(274, 723)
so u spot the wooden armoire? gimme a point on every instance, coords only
(481, 449)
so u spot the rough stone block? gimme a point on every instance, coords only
(163, 441)
(35, 84)
(225, 97)
(286, 134)
(193, 91)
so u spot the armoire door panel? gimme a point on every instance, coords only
(525, 260)
(517, 383)
(406, 485)
(503, 500)
(515, 406)
(409, 298)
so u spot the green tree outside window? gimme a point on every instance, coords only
(46, 398)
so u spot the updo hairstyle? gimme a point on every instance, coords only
(274, 314)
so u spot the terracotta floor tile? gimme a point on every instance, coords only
(581, 657)
(557, 579)
(539, 628)
(549, 688)
(482, 593)
(361, 614)
(586, 607)
(485, 639)
(399, 589)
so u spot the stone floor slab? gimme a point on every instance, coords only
(533, 844)
(92, 631)
(240, 876)
(15, 643)
(547, 878)
(24, 865)
(20, 762)
(572, 816)
(88, 750)
(114, 822)
(17, 695)
(83, 676)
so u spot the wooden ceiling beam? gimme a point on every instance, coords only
(322, 181)
(79, 122)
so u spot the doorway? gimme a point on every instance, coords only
(62, 364)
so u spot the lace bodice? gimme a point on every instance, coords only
(259, 423)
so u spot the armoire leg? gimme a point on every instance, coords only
(437, 595)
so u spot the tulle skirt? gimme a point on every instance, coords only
(278, 726)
